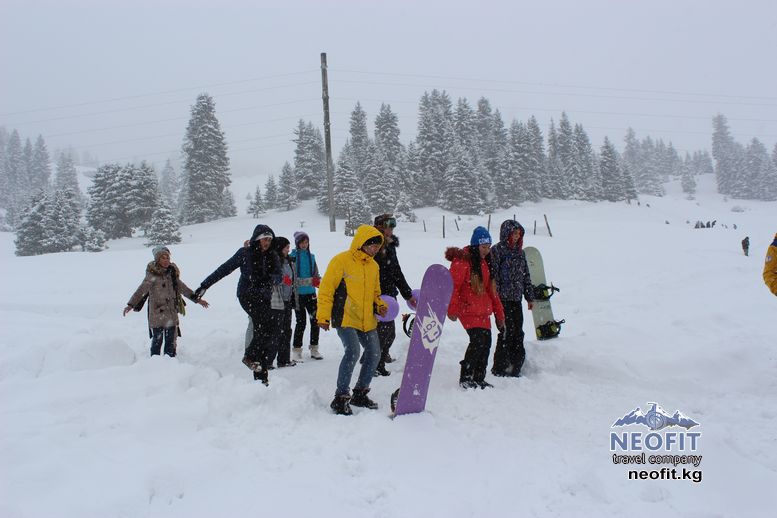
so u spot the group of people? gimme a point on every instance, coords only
(489, 279)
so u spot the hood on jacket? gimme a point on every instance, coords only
(508, 227)
(262, 231)
(453, 252)
(363, 234)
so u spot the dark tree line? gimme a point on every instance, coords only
(465, 159)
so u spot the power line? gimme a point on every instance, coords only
(154, 105)
(93, 130)
(555, 85)
(559, 110)
(596, 96)
(212, 85)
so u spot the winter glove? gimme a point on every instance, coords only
(287, 280)
(199, 292)
(316, 282)
(500, 324)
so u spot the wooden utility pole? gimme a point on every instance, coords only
(330, 182)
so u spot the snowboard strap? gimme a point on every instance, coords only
(408, 319)
(549, 329)
(544, 292)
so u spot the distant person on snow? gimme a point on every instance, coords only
(513, 282)
(770, 267)
(260, 270)
(746, 245)
(473, 301)
(392, 282)
(348, 299)
(163, 288)
(305, 304)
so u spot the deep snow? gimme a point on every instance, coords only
(90, 426)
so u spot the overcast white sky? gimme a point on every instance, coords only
(118, 78)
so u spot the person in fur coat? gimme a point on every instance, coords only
(163, 288)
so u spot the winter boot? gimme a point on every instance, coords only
(382, 371)
(484, 384)
(341, 406)
(360, 399)
(314, 353)
(466, 380)
(262, 375)
(296, 353)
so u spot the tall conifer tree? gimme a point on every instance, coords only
(206, 164)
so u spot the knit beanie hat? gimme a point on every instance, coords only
(299, 237)
(480, 236)
(159, 250)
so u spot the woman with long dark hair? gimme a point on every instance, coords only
(473, 302)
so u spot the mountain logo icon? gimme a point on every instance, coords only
(656, 418)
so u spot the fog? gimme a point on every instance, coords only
(117, 79)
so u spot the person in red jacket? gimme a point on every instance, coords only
(473, 301)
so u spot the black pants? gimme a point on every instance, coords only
(169, 334)
(307, 304)
(386, 335)
(284, 336)
(475, 362)
(510, 353)
(262, 347)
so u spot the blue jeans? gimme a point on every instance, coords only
(351, 339)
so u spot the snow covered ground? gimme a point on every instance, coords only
(656, 311)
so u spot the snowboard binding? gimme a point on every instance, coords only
(544, 292)
(549, 329)
(394, 397)
(408, 319)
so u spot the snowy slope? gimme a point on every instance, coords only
(655, 311)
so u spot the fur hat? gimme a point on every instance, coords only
(299, 237)
(480, 236)
(159, 250)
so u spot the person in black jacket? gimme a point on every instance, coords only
(260, 270)
(513, 282)
(392, 282)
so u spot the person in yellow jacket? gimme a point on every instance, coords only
(770, 268)
(348, 298)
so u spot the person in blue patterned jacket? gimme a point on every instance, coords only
(511, 273)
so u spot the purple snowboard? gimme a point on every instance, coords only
(432, 309)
